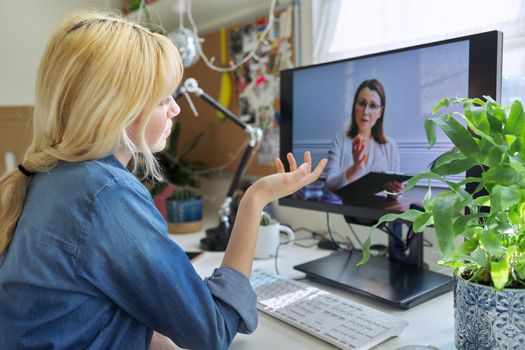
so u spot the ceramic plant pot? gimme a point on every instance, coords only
(486, 318)
(184, 215)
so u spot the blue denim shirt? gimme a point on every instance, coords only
(91, 266)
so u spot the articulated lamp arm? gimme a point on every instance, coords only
(217, 238)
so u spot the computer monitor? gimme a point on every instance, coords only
(318, 104)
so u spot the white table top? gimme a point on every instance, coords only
(430, 323)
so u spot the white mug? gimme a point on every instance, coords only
(269, 239)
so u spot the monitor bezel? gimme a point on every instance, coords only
(485, 65)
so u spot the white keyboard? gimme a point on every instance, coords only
(334, 319)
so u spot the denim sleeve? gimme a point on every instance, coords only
(234, 289)
(129, 259)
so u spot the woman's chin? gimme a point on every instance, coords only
(159, 147)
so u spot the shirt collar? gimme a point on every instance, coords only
(111, 160)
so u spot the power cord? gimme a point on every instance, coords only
(409, 237)
(349, 244)
(315, 236)
(276, 256)
(355, 235)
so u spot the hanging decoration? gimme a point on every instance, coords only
(249, 55)
(187, 41)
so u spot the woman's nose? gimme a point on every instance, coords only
(174, 109)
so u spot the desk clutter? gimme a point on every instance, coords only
(334, 319)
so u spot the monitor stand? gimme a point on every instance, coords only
(402, 284)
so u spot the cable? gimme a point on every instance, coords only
(308, 245)
(279, 247)
(427, 243)
(388, 231)
(355, 234)
(350, 245)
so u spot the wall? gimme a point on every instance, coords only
(25, 26)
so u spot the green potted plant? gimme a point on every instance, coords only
(481, 235)
(268, 239)
(266, 219)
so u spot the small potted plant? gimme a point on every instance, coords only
(489, 257)
(266, 219)
(268, 240)
(184, 211)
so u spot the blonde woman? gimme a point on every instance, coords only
(85, 260)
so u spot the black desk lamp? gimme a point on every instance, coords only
(217, 237)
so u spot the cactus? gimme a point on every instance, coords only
(182, 193)
(265, 219)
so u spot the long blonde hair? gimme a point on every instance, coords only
(99, 74)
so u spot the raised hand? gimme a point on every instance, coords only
(241, 247)
(359, 150)
(275, 186)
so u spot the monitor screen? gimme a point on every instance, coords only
(366, 115)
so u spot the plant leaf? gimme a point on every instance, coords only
(503, 197)
(454, 167)
(459, 136)
(515, 216)
(491, 243)
(467, 247)
(428, 200)
(365, 249)
(494, 110)
(449, 101)
(496, 124)
(502, 175)
(516, 120)
(480, 258)
(499, 271)
(421, 222)
(430, 130)
(478, 117)
(520, 270)
(483, 200)
(460, 223)
(409, 215)
(447, 157)
(443, 214)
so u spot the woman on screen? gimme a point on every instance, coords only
(364, 147)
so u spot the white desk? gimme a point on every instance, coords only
(430, 323)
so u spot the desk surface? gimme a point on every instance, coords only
(430, 323)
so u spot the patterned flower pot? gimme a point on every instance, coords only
(486, 318)
(184, 215)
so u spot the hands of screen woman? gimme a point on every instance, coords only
(396, 188)
(359, 150)
(275, 186)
